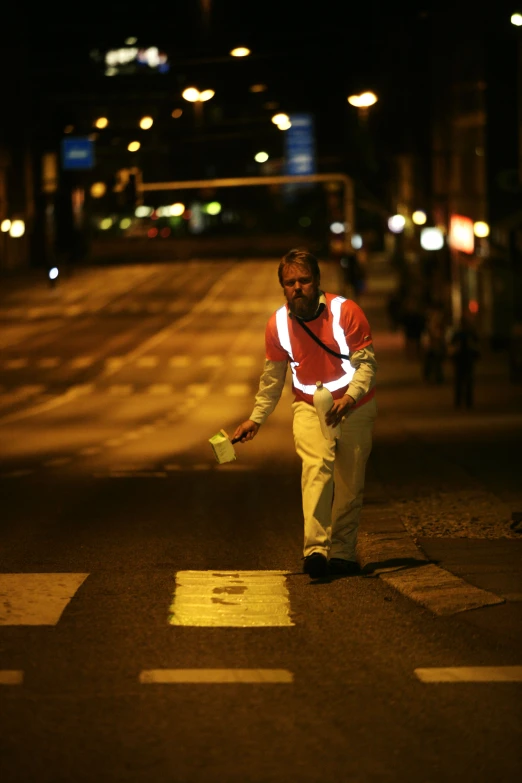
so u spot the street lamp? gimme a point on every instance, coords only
(240, 51)
(362, 102)
(193, 95)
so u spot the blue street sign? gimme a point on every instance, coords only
(300, 145)
(77, 153)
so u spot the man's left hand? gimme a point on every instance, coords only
(339, 410)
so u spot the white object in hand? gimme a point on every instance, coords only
(323, 401)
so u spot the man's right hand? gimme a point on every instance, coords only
(246, 431)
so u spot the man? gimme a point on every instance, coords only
(331, 520)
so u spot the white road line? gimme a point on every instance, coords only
(179, 361)
(36, 599)
(15, 364)
(147, 361)
(48, 363)
(114, 363)
(237, 390)
(229, 676)
(81, 362)
(471, 674)
(212, 361)
(122, 389)
(240, 599)
(198, 389)
(244, 361)
(57, 462)
(11, 677)
(161, 388)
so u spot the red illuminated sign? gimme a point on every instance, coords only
(461, 236)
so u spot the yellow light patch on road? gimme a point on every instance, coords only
(237, 390)
(89, 451)
(11, 677)
(82, 389)
(471, 674)
(179, 361)
(147, 361)
(239, 599)
(36, 599)
(180, 676)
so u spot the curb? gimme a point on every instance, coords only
(394, 557)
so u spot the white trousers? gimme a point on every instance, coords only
(332, 479)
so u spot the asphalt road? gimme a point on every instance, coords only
(129, 556)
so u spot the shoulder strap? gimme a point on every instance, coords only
(320, 342)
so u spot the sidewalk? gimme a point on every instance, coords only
(430, 527)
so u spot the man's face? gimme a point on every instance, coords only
(301, 290)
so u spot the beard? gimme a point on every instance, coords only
(303, 307)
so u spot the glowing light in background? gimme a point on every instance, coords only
(143, 211)
(53, 273)
(125, 223)
(134, 146)
(357, 241)
(68, 129)
(240, 51)
(101, 122)
(481, 229)
(98, 189)
(214, 208)
(146, 123)
(516, 19)
(363, 100)
(419, 217)
(261, 157)
(177, 209)
(473, 306)
(5, 225)
(17, 229)
(257, 88)
(206, 95)
(152, 232)
(396, 223)
(131, 41)
(277, 119)
(105, 224)
(285, 125)
(337, 228)
(177, 113)
(431, 239)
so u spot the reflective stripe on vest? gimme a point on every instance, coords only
(339, 337)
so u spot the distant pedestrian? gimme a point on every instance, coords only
(413, 322)
(464, 351)
(433, 341)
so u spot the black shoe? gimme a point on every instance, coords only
(339, 567)
(316, 565)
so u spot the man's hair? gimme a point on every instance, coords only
(300, 257)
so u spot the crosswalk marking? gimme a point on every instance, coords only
(238, 599)
(471, 674)
(161, 388)
(121, 389)
(11, 677)
(212, 361)
(114, 363)
(198, 389)
(175, 676)
(244, 361)
(36, 599)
